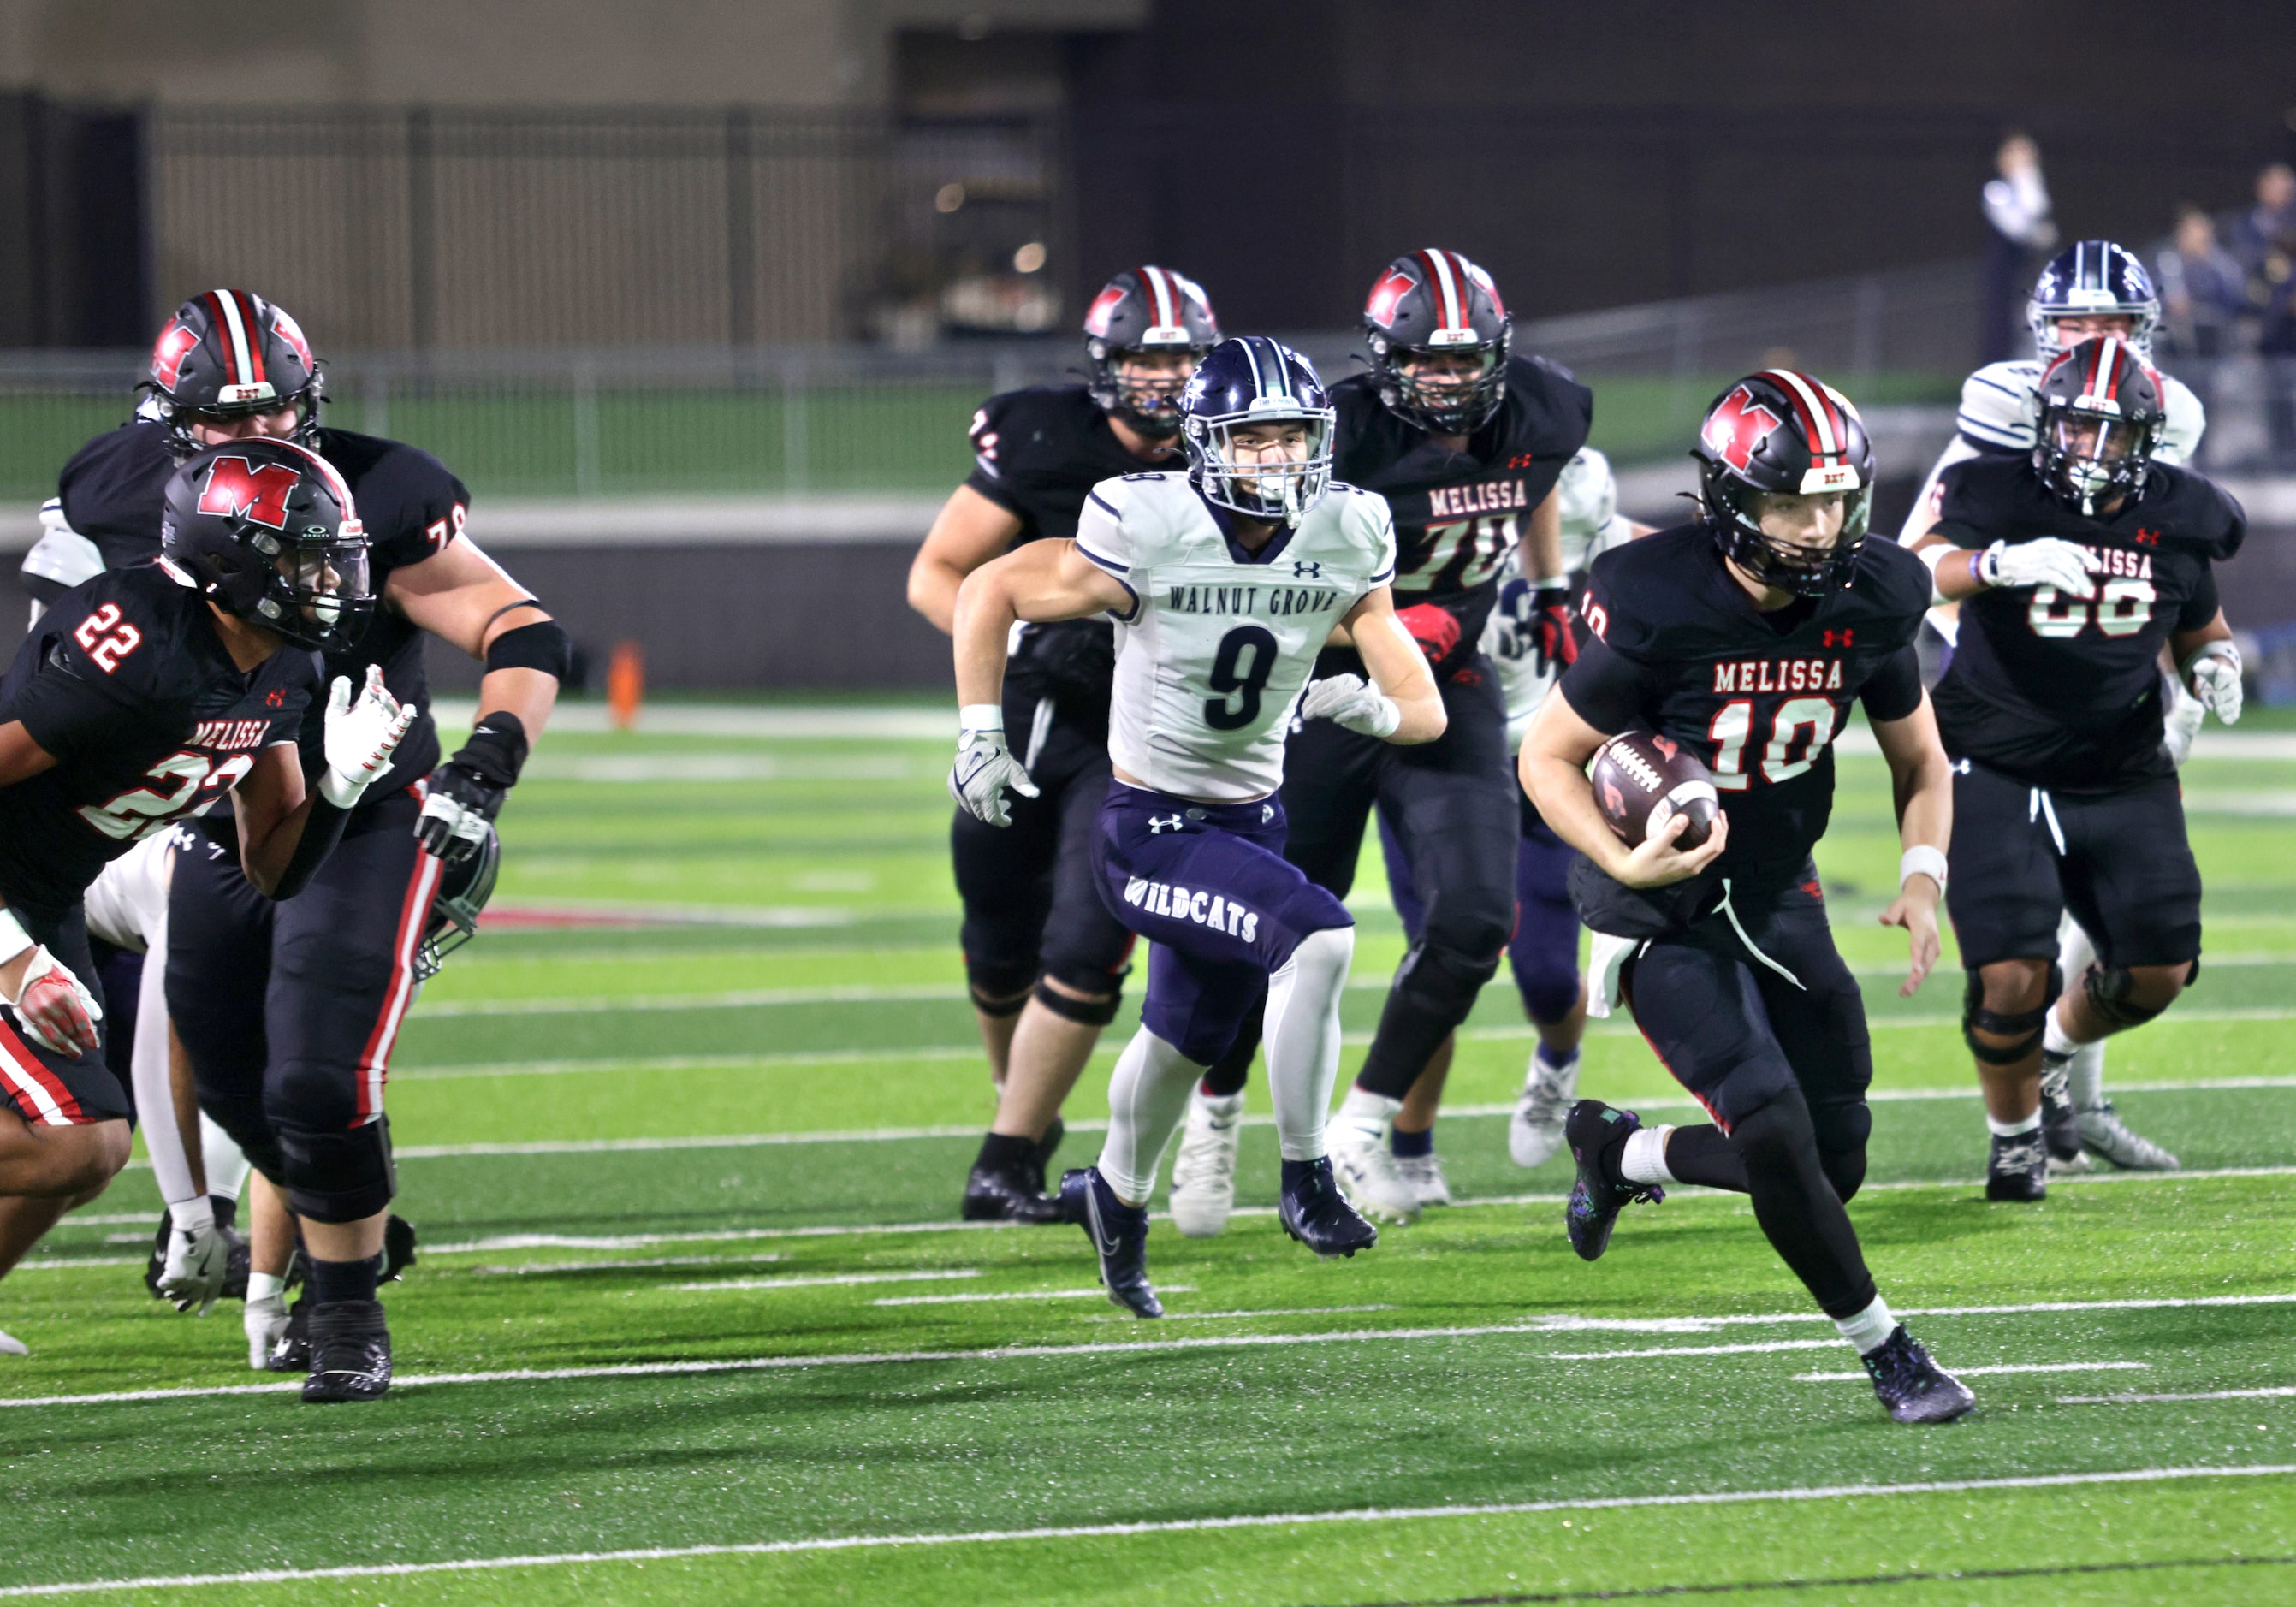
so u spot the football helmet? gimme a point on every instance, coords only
(464, 886)
(2097, 278)
(2100, 415)
(228, 353)
(1152, 310)
(1431, 306)
(1254, 380)
(266, 529)
(1781, 431)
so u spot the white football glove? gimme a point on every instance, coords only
(266, 1322)
(199, 1255)
(361, 736)
(985, 766)
(56, 1009)
(1352, 702)
(2047, 561)
(2214, 674)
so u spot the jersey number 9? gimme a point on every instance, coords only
(1239, 680)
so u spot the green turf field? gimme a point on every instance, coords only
(695, 1320)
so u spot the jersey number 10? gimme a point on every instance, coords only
(1806, 722)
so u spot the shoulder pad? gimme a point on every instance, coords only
(1589, 493)
(2186, 420)
(2206, 518)
(1633, 593)
(61, 555)
(1551, 412)
(1995, 405)
(1893, 580)
(122, 631)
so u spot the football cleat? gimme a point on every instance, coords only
(1008, 1194)
(291, 1351)
(2018, 1169)
(1203, 1176)
(10, 1345)
(350, 1352)
(1913, 1388)
(2102, 1131)
(1422, 1175)
(1314, 1212)
(398, 1249)
(1119, 1238)
(1535, 1130)
(266, 1321)
(1365, 1168)
(2060, 1132)
(1593, 1127)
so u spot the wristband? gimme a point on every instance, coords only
(1933, 556)
(12, 940)
(2222, 648)
(1921, 860)
(980, 717)
(1560, 583)
(497, 749)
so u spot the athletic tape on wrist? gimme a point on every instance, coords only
(980, 717)
(1921, 860)
(2224, 648)
(1933, 556)
(1558, 583)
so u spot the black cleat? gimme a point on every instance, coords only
(2018, 1169)
(1592, 1129)
(292, 1352)
(2060, 1124)
(350, 1352)
(1008, 1194)
(1120, 1237)
(1913, 1388)
(398, 1249)
(1314, 1212)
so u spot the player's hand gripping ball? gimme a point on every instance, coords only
(1642, 781)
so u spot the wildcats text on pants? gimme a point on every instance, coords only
(1197, 905)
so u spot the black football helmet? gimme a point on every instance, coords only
(1781, 432)
(1255, 381)
(1437, 304)
(2098, 279)
(228, 354)
(464, 886)
(265, 529)
(1146, 309)
(2101, 413)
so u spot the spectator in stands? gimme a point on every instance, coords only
(2203, 289)
(2019, 230)
(2264, 238)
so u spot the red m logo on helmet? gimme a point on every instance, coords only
(239, 489)
(1737, 427)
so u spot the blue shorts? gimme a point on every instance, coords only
(1208, 886)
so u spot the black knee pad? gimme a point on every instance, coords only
(2026, 1024)
(339, 1175)
(2107, 988)
(1089, 1013)
(1777, 1138)
(998, 988)
(1443, 981)
(1841, 1132)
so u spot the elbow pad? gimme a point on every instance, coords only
(543, 645)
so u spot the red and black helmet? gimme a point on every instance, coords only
(228, 354)
(1146, 309)
(266, 529)
(1782, 433)
(2101, 412)
(1431, 305)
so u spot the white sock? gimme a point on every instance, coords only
(1870, 1329)
(226, 1166)
(2011, 1129)
(1301, 1036)
(1146, 1099)
(2055, 1039)
(264, 1286)
(2085, 1076)
(1644, 1160)
(1222, 1108)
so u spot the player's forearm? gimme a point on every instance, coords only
(1954, 569)
(933, 586)
(1542, 541)
(980, 626)
(1565, 801)
(281, 861)
(2183, 643)
(530, 694)
(1924, 794)
(1423, 718)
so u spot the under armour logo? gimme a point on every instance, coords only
(1266, 813)
(1844, 635)
(1158, 825)
(2148, 538)
(1307, 571)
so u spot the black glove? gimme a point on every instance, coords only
(466, 793)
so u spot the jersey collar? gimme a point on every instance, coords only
(1225, 521)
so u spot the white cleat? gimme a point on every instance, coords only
(1363, 1162)
(267, 1324)
(1535, 1130)
(1203, 1176)
(10, 1345)
(2102, 1131)
(1422, 1175)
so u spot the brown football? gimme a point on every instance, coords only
(1641, 781)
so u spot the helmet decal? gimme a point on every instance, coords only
(1095, 318)
(1391, 288)
(1736, 428)
(236, 488)
(290, 331)
(175, 342)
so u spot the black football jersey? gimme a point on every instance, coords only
(1037, 454)
(1679, 649)
(1460, 515)
(2065, 691)
(126, 682)
(410, 503)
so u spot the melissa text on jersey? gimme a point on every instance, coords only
(1481, 496)
(1778, 675)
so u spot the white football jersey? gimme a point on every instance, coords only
(1218, 647)
(1591, 525)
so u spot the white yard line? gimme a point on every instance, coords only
(1172, 1526)
(1843, 1378)
(2138, 1401)
(1093, 1293)
(825, 1280)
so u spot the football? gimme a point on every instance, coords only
(1643, 780)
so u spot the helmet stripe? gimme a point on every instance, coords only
(223, 308)
(1453, 314)
(1160, 297)
(1818, 427)
(251, 322)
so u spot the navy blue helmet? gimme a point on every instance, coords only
(2092, 278)
(1245, 383)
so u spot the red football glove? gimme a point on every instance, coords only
(1558, 642)
(1436, 629)
(56, 1008)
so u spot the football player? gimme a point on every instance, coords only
(1224, 582)
(2093, 289)
(1744, 638)
(1044, 960)
(1467, 442)
(2075, 566)
(139, 697)
(288, 1015)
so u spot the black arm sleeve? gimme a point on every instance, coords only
(1894, 690)
(322, 829)
(2202, 606)
(1607, 689)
